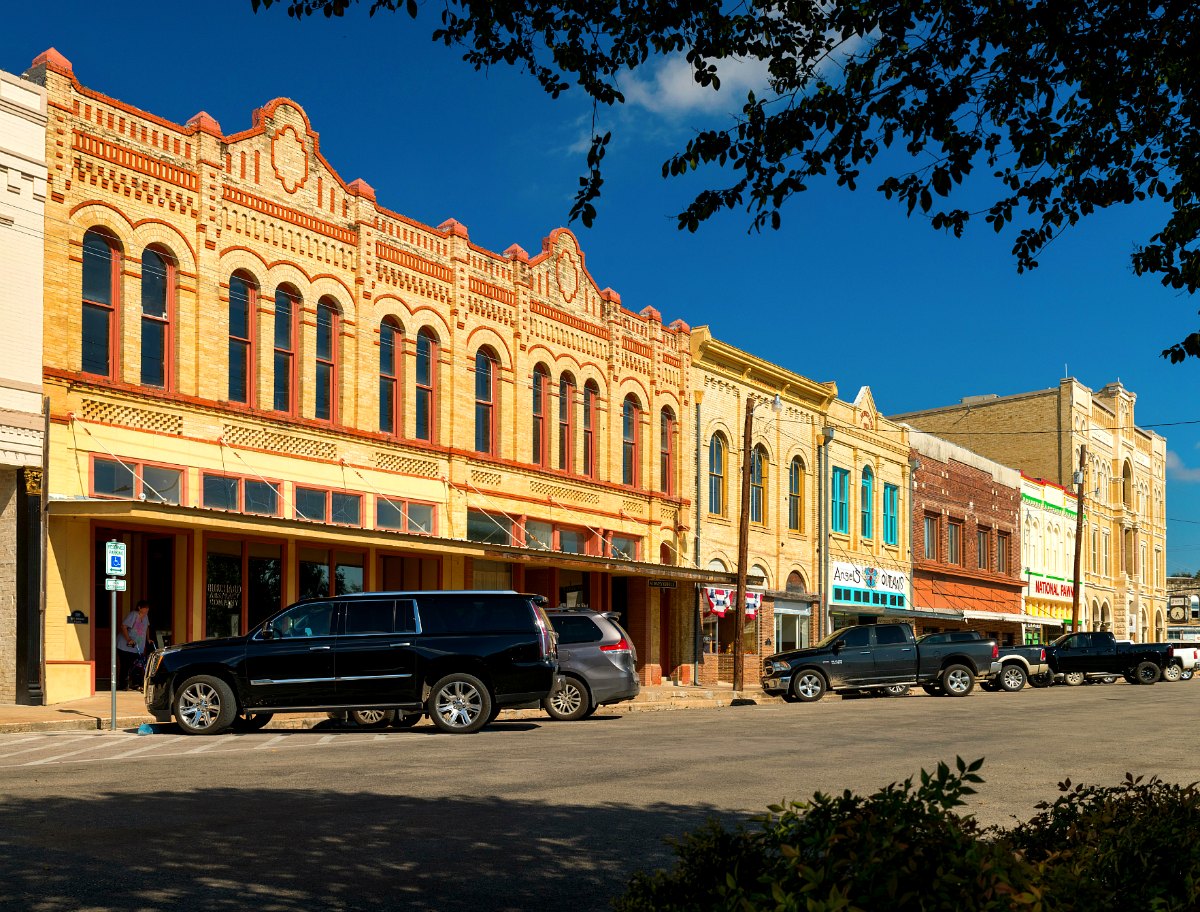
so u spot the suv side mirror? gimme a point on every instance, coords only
(268, 631)
(838, 645)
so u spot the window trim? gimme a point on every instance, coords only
(137, 466)
(866, 504)
(891, 514)
(566, 423)
(591, 437)
(935, 539)
(489, 404)
(839, 513)
(667, 425)
(402, 503)
(759, 459)
(296, 302)
(428, 390)
(539, 450)
(953, 526)
(329, 492)
(395, 378)
(241, 496)
(116, 269)
(165, 323)
(796, 495)
(328, 305)
(631, 446)
(983, 549)
(718, 478)
(250, 352)
(1003, 552)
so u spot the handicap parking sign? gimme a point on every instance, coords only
(114, 558)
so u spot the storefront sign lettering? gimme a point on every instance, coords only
(1051, 589)
(868, 577)
(77, 617)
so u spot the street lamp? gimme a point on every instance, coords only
(739, 599)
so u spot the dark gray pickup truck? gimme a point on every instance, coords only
(876, 656)
(1098, 652)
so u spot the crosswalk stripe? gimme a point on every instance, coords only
(267, 744)
(40, 746)
(154, 743)
(100, 743)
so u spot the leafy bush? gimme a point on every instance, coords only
(1099, 849)
(1116, 848)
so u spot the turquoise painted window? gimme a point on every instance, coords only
(867, 502)
(891, 510)
(839, 514)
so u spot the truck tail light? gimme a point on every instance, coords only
(1170, 652)
(995, 650)
(1043, 653)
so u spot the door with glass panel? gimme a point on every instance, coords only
(375, 656)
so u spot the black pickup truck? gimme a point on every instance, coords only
(876, 656)
(1076, 655)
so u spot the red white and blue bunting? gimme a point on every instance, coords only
(720, 600)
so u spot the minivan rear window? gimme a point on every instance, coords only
(467, 613)
(575, 629)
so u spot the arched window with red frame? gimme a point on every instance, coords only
(425, 395)
(158, 309)
(326, 389)
(485, 401)
(101, 295)
(391, 345)
(243, 302)
(566, 423)
(287, 331)
(631, 449)
(666, 450)
(540, 443)
(591, 400)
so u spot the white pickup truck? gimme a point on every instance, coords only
(1183, 663)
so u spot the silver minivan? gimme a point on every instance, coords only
(596, 661)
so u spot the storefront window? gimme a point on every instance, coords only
(488, 528)
(112, 479)
(314, 573)
(244, 582)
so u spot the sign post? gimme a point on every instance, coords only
(114, 569)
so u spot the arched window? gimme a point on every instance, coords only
(101, 272)
(1127, 485)
(243, 302)
(540, 445)
(326, 360)
(666, 554)
(158, 292)
(867, 502)
(666, 451)
(287, 322)
(716, 475)
(631, 449)
(485, 401)
(758, 485)
(566, 423)
(795, 583)
(796, 495)
(425, 398)
(591, 396)
(391, 342)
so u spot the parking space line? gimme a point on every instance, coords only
(325, 739)
(100, 743)
(151, 746)
(22, 741)
(213, 742)
(29, 750)
(267, 744)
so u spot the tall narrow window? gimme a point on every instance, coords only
(716, 475)
(758, 485)
(954, 542)
(243, 297)
(287, 317)
(983, 549)
(891, 514)
(101, 268)
(425, 400)
(1002, 552)
(485, 399)
(591, 395)
(566, 424)
(795, 495)
(866, 505)
(158, 287)
(389, 378)
(631, 419)
(932, 534)
(666, 451)
(839, 513)
(326, 366)
(540, 445)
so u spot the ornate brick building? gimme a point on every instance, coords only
(270, 387)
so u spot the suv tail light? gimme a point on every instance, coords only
(995, 650)
(621, 645)
(546, 638)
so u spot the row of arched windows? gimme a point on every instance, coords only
(718, 496)
(101, 276)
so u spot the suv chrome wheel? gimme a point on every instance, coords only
(459, 703)
(371, 718)
(205, 706)
(570, 702)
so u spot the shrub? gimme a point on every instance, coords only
(1117, 848)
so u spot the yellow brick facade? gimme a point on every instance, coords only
(1124, 540)
(264, 206)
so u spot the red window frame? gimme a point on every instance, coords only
(591, 396)
(246, 542)
(486, 407)
(666, 443)
(402, 504)
(164, 323)
(390, 378)
(594, 540)
(293, 328)
(540, 444)
(326, 360)
(566, 423)
(137, 466)
(427, 390)
(631, 448)
(241, 492)
(111, 307)
(245, 344)
(329, 492)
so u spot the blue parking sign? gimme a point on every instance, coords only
(114, 558)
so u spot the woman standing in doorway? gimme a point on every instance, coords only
(131, 641)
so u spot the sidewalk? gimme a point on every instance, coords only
(94, 713)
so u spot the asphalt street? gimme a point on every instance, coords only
(528, 814)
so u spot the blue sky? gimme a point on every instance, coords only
(849, 289)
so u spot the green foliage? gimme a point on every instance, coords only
(1115, 848)
(1094, 849)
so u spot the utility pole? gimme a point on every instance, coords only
(1079, 494)
(739, 599)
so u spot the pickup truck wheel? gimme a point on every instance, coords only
(204, 705)
(372, 718)
(1074, 678)
(934, 690)
(808, 686)
(1147, 673)
(1186, 674)
(1172, 673)
(958, 681)
(1042, 680)
(1012, 678)
(459, 704)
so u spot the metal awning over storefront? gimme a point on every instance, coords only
(898, 613)
(1012, 618)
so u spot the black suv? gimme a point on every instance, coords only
(457, 657)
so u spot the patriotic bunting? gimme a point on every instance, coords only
(720, 600)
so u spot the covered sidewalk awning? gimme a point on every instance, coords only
(1011, 618)
(898, 613)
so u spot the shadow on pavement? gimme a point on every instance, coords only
(298, 850)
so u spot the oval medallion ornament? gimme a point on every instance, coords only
(289, 159)
(871, 577)
(566, 275)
